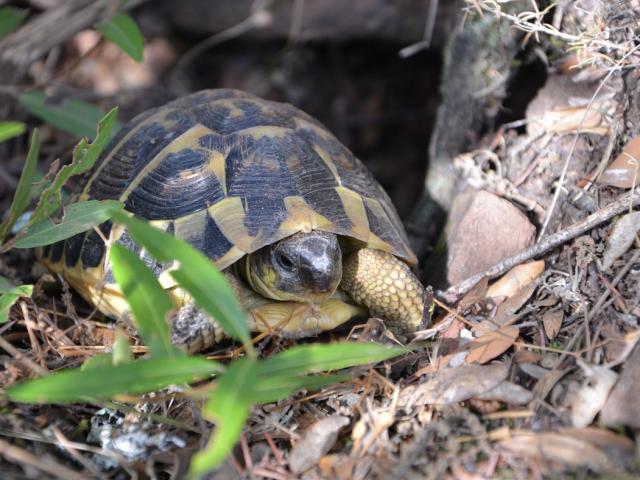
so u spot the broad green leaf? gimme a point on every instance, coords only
(104, 382)
(122, 30)
(84, 157)
(10, 19)
(196, 274)
(73, 116)
(273, 388)
(22, 290)
(98, 360)
(10, 295)
(11, 129)
(315, 358)
(79, 217)
(23, 192)
(149, 302)
(121, 349)
(228, 407)
(7, 300)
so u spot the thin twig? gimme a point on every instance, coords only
(22, 358)
(632, 199)
(22, 457)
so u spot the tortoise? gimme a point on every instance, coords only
(301, 229)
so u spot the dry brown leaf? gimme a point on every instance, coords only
(552, 321)
(571, 119)
(565, 449)
(315, 442)
(507, 310)
(491, 345)
(526, 356)
(592, 395)
(475, 295)
(621, 408)
(624, 171)
(451, 385)
(629, 342)
(622, 236)
(620, 450)
(516, 278)
(508, 392)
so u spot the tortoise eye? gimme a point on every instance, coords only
(284, 261)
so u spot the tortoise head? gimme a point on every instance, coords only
(305, 267)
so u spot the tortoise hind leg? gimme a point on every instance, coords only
(387, 287)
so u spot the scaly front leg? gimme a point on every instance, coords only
(387, 287)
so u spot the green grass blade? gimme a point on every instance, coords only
(273, 388)
(73, 116)
(11, 129)
(79, 217)
(84, 157)
(7, 300)
(9, 295)
(122, 30)
(121, 349)
(315, 358)
(23, 192)
(98, 360)
(10, 19)
(196, 274)
(149, 302)
(229, 407)
(107, 381)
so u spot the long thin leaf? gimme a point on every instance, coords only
(317, 358)
(79, 217)
(11, 129)
(122, 30)
(274, 388)
(196, 274)
(23, 192)
(84, 157)
(229, 407)
(73, 116)
(9, 295)
(10, 19)
(107, 381)
(149, 302)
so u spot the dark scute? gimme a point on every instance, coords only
(132, 157)
(257, 171)
(256, 112)
(383, 227)
(264, 214)
(57, 249)
(352, 173)
(327, 203)
(73, 248)
(165, 194)
(215, 244)
(93, 249)
(120, 135)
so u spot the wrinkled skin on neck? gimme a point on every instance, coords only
(305, 267)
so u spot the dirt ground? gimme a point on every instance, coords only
(506, 134)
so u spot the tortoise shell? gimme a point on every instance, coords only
(230, 173)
